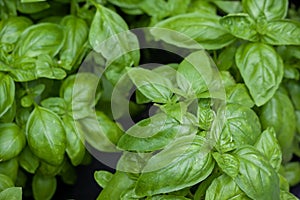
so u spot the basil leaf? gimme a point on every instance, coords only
(76, 35)
(228, 163)
(102, 177)
(229, 6)
(34, 7)
(241, 127)
(12, 141)
(55, 104)
(10, 168)
(279, 114)
(46, 169)
(256, 176)
(291, 171)
(29, 161)
(223, 188)
(284, 195)
(183, 163)
(294, 93)
(7, 93)
(202, 7)
(46, 136)
(238, 94)
(75, 144)
(5, 182)
(43, 187)
(151, 84)
(118, 185)
(68, 173)
(33, 42)
(13, 193)
(205, 114)
(226, 57)
(166, 197)
(270, 9)
(133, 162)
(262, 70)
(154, 133)
(282, 32)
(241, 26)
(206, 30)
(268, 145)
(132, 4)
(10, 114)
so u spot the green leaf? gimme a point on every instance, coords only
(29, 161)
(43, 187)
(102, 177)
(34, 7)
(76, 35)
(226, 57)
(256, 176)
(167, 197)
(5, 182)
(100, 132)
(238, 94)
(205, 114)
(228, 163)
(75, 144)
(185, 162)
(68, 173)
(268, 145)
(229, 6)
(241, 26)
(294, 93)
(10, 114)
(133, 162)
(284, 195)
(223, 188)
(282, 32)
(39, 39)
(291, 173)
(154, 133)
(270, 9)
(205, 30)
(279, 114)
(13, 193)
(7, 93)
(12, 141)
(46, 169)
(10, 168)
(46, 136)
(241, 127)
(55, 104)
(151, 84)
(131, 4)
(262, 70)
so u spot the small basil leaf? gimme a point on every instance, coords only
(46, 136)
(5, 182)
(268, 145)
(256, 176)
(279, 114)
(151, 84)
(202, 7)
(133, 162)
(28, 161)
(283, 32)
(46, 169)
(183, 163)
(7, 92)
(13, 193)
(241, 26)
(224, 187)
(205, 114)
(270, 9)
(262, 70)
(21, 179)
(10, 114)
(12, 141)
(291, 171)
(294, 92)
(43, 187)
(284, 195)
(206, 30)
(10, 168)
(102, 177)
(68, 173)
(238, 94)
(228, 163)
(33, 42)
(76, 35)
(226, 57)
(55, 104)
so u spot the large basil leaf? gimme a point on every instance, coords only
(206, 30)
(75, 144)
(282, 32)
(5, 182)
(10, 168)
(7, 93)
(46, 136)
(154, 133)
(43, 187)
(76, 35)
(262, 70)
(151, 84)
(28, 161)
(39, 39)
(224, 188)
(12, 141)
(118, 185)
(183, 163)
(268, 145)
(279, 114)
(13, 193)
(241, 127)
(270, 9)
(241, 26)
(238, 94)
(256, 176)
(108, 36)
